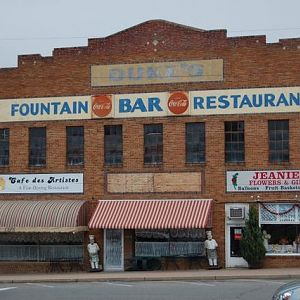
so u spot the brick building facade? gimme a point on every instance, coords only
(230, 137)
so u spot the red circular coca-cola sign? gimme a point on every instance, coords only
(178, 103)
(102, 105)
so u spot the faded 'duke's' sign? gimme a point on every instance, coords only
(157, 73)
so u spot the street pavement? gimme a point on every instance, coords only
(222, 274)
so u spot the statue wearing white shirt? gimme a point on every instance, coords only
(93, 250)
(211, 250)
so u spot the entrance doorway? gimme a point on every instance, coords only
(234, 257)
(233, 234)
(113, 250)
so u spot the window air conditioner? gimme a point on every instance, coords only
(236, 213)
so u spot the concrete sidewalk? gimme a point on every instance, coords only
(223, 274)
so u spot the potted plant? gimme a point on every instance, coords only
(252, 242)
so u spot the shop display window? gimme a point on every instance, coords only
(174, 242)
(41, 246)
(280, 224)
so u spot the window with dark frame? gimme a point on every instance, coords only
(234, 141)
(113, 144)
(75, 145)
(278, 141)
(37, 146)
(4, 147)
(195, 142)
(153, 144)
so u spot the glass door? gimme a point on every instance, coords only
(235, 239)
(113, 250)
(234, 258)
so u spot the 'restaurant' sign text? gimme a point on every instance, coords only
(178, 103)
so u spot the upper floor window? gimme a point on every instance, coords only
(153, 144)
(75, 145)
(234, 141)
(4, 147)
(113, 144)
(195, 142)
(278, 141)
(37, 146)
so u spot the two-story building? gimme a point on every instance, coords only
(146, 139)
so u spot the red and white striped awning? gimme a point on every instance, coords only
(152, 214)
(43, 216)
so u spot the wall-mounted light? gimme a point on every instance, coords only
(255, 198)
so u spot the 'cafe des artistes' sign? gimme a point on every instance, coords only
(263, 181)
(69, 183)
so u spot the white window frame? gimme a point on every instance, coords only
(297, 215)
(295, 222)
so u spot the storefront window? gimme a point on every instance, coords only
(41, 246)
(174, 242)
(280, 225)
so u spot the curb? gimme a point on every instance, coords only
(156, 278)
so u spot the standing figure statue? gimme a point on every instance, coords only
(211, 250)
(93, 250)
(266, 238)
(296, 244)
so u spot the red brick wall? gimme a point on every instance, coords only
(248, 63)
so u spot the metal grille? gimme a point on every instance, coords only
(236, 213)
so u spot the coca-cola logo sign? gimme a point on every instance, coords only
(178, 103)
(102, 105)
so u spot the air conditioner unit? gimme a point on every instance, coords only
(236, 213)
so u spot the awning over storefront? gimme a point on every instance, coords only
(152, 214)
(43, 216)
